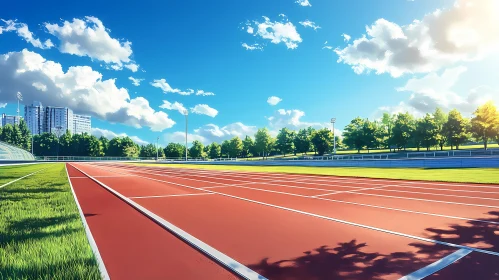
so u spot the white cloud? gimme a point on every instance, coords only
(133, 67)
(326, 46)
(203, 109)
(210, 133)
(23, 32)
(98, 132)
(252, 47)
(346, 37)
(304, 3)
(166, 88)
(80, 88)
(89, 37)
(274, 100)
(135, 82)
(250, 30)
(292, 119)
(2, 105)
(174, 106)
(278, 32)
(434, 90)
(309, 23)
(467, 31)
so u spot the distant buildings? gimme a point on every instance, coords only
(12, 120)
(55, 120)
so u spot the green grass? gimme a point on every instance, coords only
(9, 173)
(41, 234)
(462, 175)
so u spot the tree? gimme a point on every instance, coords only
(284, 142)
(427, 132)
(206, 150)
(485, 124)
(440, 119)
(388, 122)
(196, 150)
(65, 145)
(323, 140)
(403, 130)
(263, 141)
(161, 153)
(215, 150)
(45, 144)
(310, 131)
(175, 150)
(235, 147)
(372, 135)
(25, 136)
(455, 129)
(353, 136)
(302, 141)
(225, 148)
(104, 143)
(148, 151)
(123, 147)
(7, 134)
(248, 146)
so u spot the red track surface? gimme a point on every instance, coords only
(281, 244)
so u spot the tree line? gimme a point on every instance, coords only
(395, 132)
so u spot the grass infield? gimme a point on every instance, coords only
(461, 175)
(41, 234)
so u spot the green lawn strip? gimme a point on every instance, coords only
(461, 175)
(41, 234)
(10, 173)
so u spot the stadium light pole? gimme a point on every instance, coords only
(19, 98)
(157, 148)
(333, 121)
(186, 113)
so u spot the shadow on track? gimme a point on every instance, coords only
(353, 260)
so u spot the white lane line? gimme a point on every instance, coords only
(332, 200)
(355, 191)
(427, 200)
(226, 261)
(438, 265)
(336, 220)
(170, 195)
(437, 194)
(90, 237)
(13, 181)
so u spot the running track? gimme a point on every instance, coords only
(285, 226)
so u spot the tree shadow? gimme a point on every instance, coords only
(83, 268)
(36, 228)
(353, 260)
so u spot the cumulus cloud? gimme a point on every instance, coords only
(204, 93)
(135, 82)
(22, 31)
(166, 88)
(303, 3)
(98, 132)
(310, 24)
(210, 133)
(467, 31)
(274, 100)
(292, 119)
(252, 47)
(346, 37)
(434, 90)
(203, 109)
(174, 106)
(89, 37)
(3, 105)
(277, 32)
(80, 88)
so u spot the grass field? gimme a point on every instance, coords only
(462, 175)
(41, 234)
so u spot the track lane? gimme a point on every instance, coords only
(134, 247)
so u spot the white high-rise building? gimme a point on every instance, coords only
(82, 124)
(12, 120)
(58, 120)
(34, 115)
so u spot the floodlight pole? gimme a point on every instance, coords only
(157, 148)
(333, 121)
(186, 127)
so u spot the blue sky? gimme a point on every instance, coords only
(180, 48)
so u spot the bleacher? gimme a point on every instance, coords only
(9, 152)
